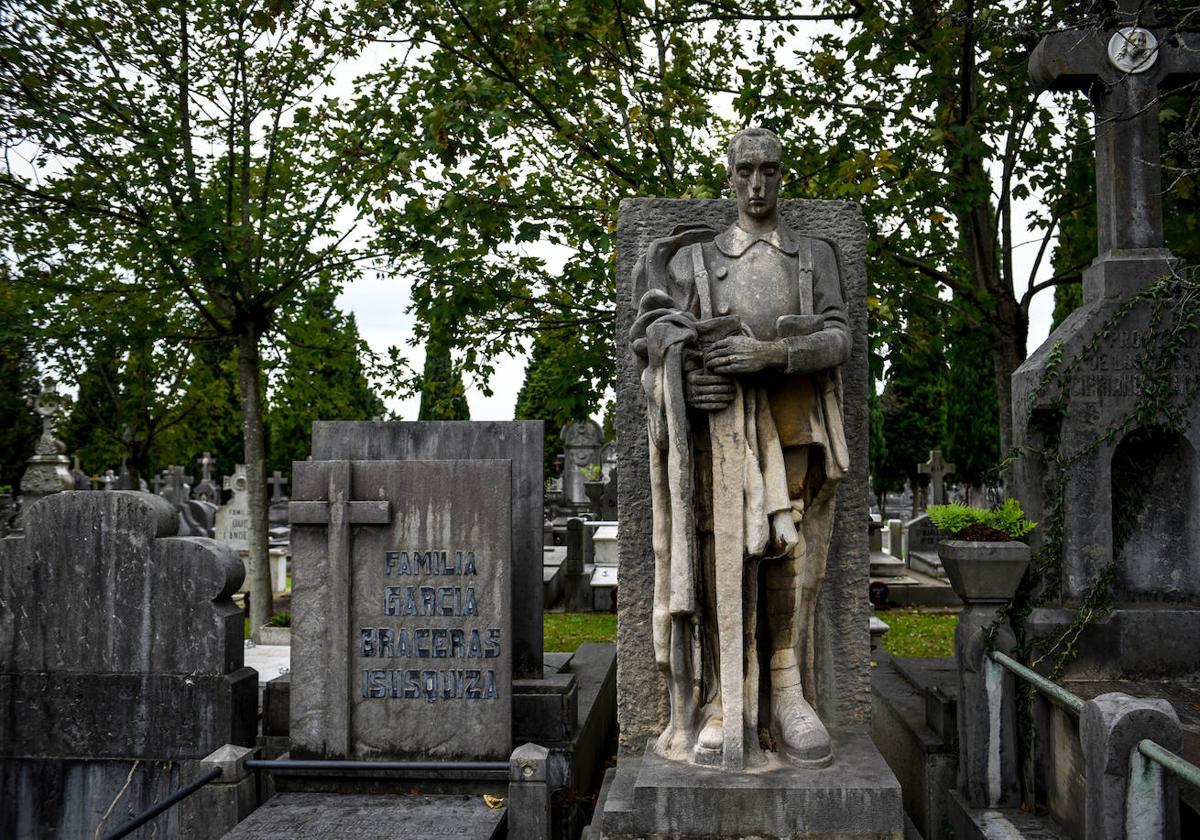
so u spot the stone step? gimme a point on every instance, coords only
(927, 563)
(885, 565)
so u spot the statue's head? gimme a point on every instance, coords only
(755, 172)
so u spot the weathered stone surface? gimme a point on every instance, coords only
(395, 656)
(517, 441)
(855, 797)
(842, 640)
(120, 662)
(315, 816)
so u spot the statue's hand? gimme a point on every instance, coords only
(742, 354)
(708, 392)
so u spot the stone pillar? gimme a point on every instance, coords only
(1127, 794)
(896, 538)
(985, 576)
(578, 590)
(220, 805)
(529, 793)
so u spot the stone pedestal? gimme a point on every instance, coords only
(649, 798)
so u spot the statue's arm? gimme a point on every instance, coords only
(829, 346)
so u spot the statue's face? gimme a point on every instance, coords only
(756, 176)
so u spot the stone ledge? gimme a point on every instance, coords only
(856, 796)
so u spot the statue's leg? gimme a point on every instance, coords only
(802, 737)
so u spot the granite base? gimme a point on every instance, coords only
(857, 796)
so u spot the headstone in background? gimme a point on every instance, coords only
(80, 477)
(120, 664)
(937, 469)
(177, 487)
(922, 538)
(47, 471)
(109, 480)
(207, 490)
(582, 442)
(233, 517)
(406, 565)
(277, 513)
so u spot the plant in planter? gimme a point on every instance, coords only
(277, 631)
(984, 557)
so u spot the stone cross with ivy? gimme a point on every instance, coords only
(1125, 69)
(936, 468)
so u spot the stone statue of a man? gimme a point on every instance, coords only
(739, 338)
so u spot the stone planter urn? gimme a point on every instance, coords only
(985, 575)
(984, 572)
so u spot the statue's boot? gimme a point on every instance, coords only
(803, 739)
(710, 741)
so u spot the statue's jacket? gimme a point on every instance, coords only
(789, 415)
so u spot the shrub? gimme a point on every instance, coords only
(280, 619)
(1007, 518)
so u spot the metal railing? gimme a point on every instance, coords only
(1181, 767)
(367, 766)
(491, 768)
(172, 800)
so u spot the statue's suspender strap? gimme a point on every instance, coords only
(804, 259)
(703, 290)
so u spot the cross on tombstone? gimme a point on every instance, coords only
(339, 513)
(178, 484)
(936, 469)
(1124, 69)
(278, 487)
(109, 479)
(207, 462)
(158, 482)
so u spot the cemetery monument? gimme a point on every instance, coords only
(742, 449)
(740, 337)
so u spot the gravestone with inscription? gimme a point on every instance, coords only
(921, 538)
(233, 517)
(121, 665)
(1112, 392)
(401, 637)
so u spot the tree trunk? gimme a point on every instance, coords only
(1010, 332)
(258, 571)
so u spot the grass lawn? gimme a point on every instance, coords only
(919, 632)
(564, 632)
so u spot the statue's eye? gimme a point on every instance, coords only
(745, 171)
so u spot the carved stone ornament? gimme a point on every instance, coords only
(1133, 49)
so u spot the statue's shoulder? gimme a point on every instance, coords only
(654, 267)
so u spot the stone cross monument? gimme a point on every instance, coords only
(937, 470)
(1129, 500)
(48, 470)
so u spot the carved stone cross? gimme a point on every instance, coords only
(207, 462)
(338, 514)
(1124, 71)
(178, 485)
(936, 469)
(278, 487)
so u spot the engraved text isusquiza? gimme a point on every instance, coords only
(418, 594)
